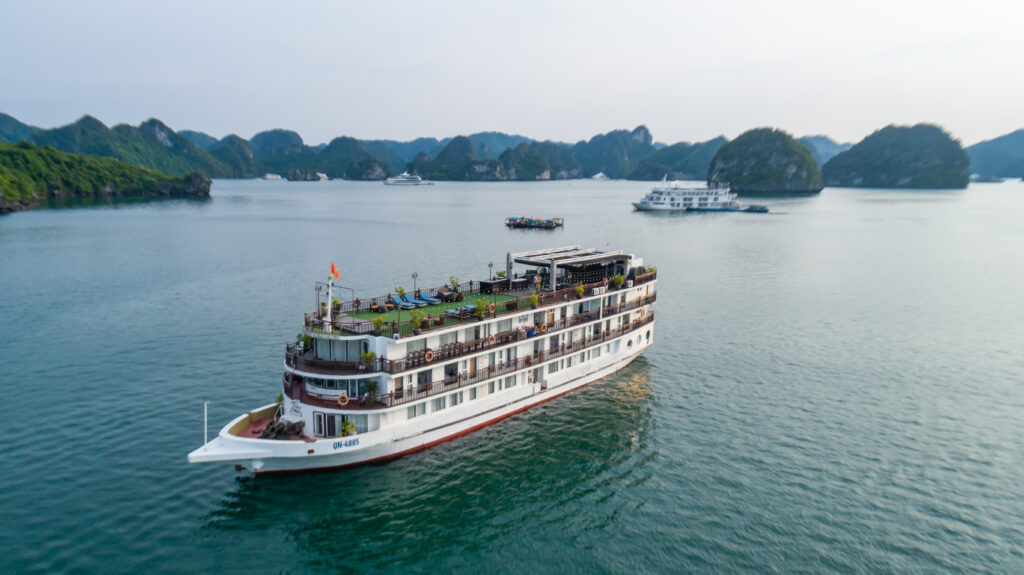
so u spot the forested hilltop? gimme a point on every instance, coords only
(482, 156)
(30, 174)
(919, 156)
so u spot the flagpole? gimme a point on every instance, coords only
(330, 301)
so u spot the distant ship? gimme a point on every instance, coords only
(674, 196)
(407, 179)
(271, 177)
(599, 176)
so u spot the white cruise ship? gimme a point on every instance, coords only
(407, 179)
(678, 196)
(377, 378)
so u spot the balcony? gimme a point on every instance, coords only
(356, 317)
(295, 387)
(303, 361)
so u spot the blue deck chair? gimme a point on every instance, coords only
(407, 298)
(401, 304)
(428, 299)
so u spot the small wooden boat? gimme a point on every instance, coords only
(539, 223)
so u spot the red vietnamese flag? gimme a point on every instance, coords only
(334, 271)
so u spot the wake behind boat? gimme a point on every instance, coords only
(677, 196)
(407, 179)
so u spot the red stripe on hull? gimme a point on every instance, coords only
(432, 443)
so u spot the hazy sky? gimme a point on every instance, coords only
(548, 70)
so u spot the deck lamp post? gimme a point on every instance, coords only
(414, 276)
(494, 297)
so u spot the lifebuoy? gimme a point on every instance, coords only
(543, 328)
(343, 400)
(491, 340)
(491, 307)
(429, 356)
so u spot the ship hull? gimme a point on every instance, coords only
(273, 456)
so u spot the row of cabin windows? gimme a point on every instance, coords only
(351, 387)
(453, 399)
(482, 331)
(510, 354)
(568, 362)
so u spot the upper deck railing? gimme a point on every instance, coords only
(298, 360)
(295, 386)
(341, 320)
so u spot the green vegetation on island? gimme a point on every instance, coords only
(823, 148)
(11, 130)
(682, 161)
(495, 156)
(920, 156)
(525, 163)
(765, 160)
(458, 162)
(30, 174)
(616, 153)
(1001, 157)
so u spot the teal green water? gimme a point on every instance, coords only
(836, 386)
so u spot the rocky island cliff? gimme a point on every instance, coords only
(765, 160)
(920, 156)
(30, 174)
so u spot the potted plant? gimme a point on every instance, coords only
(501, 274)
(618, 280)
(347, 428)
(305, 340)
(378, 325)
(417, 320)
(371, 390)
(400, 291)
(454, 281)
(368, 358)
(335, 306)
(534, 300)
(481, 309)
(579, 292)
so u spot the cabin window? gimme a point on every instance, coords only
(456, 398)
(510, 381)
(490, 387)
(417, 410)
(504, 326)
(318, 424)
(449, 338)
(438, 403)
(472, 393)
(596, 352)
(552, 367)
(424, 376)
(583, 357)
(415, 345)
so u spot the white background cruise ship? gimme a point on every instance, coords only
(682, 196)
(357, 391)
(407, 179)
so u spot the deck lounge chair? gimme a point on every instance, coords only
(428, 299)
(401, 304)
(447, 294)
(407, 298)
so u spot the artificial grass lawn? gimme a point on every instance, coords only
(438, 309)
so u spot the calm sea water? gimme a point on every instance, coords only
(837, 386)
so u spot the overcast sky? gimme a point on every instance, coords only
(562, 71)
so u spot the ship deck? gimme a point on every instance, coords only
(433, 310)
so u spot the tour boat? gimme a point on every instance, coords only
(271, 177)
(677, 196)
(541, 223)
(407, 179)
(371, 380)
